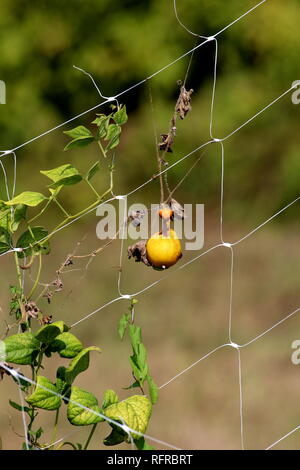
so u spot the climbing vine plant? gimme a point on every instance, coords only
(40, 337)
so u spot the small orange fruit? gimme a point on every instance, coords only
(163, 251)
(166, 213)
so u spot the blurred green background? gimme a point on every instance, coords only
(185, 316)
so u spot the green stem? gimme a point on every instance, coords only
(37, 277)
(33, 376)
(31, 421)
(93, 189)
(66, 444)
(18, 270)
(40, 360)
(90, 436)
(84, 211)
(102, 149)
(61, 208)
(41, 212)
(72, 217)
(54, 433)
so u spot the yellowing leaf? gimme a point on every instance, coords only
(135, 412)
(79, 415)
(43, 396)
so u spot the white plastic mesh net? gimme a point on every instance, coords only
(223, 244)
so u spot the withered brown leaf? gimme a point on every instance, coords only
(139, 252)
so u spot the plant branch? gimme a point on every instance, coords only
(90, 436)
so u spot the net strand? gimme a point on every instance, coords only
(282, 438)
(223, 244)
(3, 152)
(221, 30)
(126, 428)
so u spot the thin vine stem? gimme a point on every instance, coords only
(36, 282)
(90, 437)
(19, 274)
(54, 432)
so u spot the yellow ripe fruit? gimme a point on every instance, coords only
(163, 251)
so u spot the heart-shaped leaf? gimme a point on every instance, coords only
(19, 349)
(79, 131)
(110, 397)
(81, 136)
(43, 396)
(79, 364)
(63, 175)
(48, 333)
(67, 345)
(29, 242)
(135, 412)
(79, 416)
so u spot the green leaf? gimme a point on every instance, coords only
(79, 416)
(139, 372)
(19, 215)
(138, 360)
(92, 171)
(5, 216)
(69, 181)
(123, 323)
(112, 136)
(117, 436)
(141, 444)
(120, 116)
(48, 333)
(67, 345)
(5, 240)
(113, 130)
(135, 412)
(42, 397)
(79, 131)
(30, 239)
(64, 175)
(37, 434)
(19, 407)
(81, 136)
(81, 142)
(79, 364)
(135, 337)
(135, 384)
(110, 397)
(102, 122)
(61, 384)
(153, 389)
(142, 357)
(28, 198)
(19, 349)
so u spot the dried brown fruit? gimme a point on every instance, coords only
(139, 252)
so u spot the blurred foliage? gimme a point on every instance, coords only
(122, 42)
